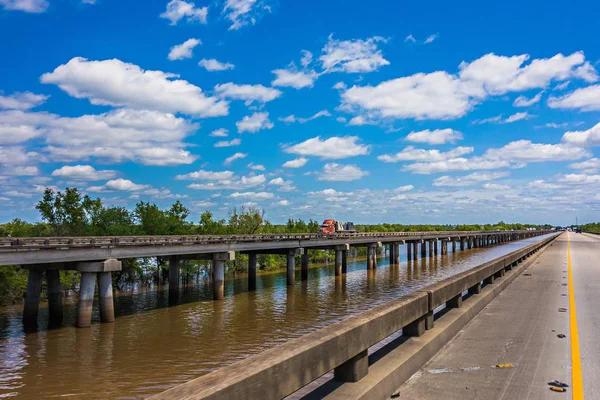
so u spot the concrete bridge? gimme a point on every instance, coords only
(97, 257)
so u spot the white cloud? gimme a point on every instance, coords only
(495, 186)
(256, 196)
(332, 148)
(281, 203)
(245, 182)
(340, 86)
(561, 86)
(468, 180)
(278, 181)
(431, 38)
(556, 126)
(526, 151)
(353, 56)
(178, 9)
(206, 175)
(592, 163)
(441, 95)
(405, 188)
(296, 163)
(83, 172)
(306, 59)
(31, 6)
(499, 120)
(147, 137)
(247, 93)
(243, 12)
(214, 65)
(294, 78)
(523, 101)
(437, 136)
(359, 120)
(221, 132)
(120, 185)
(542, 184)
(21, 171)
(14, 134)
(589, 137)
(410, 153)
(579, 179)
(517, 117)
(256, 167)
(585, 99)
(410, 39)
(184, 50)
(234, 157)
(115, 83)
(22, 101)
(254, 123)
(341, 173)
(228, 143)
(292, 118)
(455, 164)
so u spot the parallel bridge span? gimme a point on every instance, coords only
(97, 257)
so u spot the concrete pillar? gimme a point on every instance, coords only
(87, 287)
(338, 263)
(371, 256)
(453, 246)
(489, 280)
(462, 244)
(444, 247)
(105, 295)
(354, 369)
(423, 249)
(408, 251)
(429, 321)
(475, 289)
(252, 272)
(173, 280)
(435, 247)
(304, 267)
(455, 302)
(291, 267)
(344, 261)
(55, 303)
(415, 250)
(415, 328)
(32, 297)
(218, 275)
(431, 248)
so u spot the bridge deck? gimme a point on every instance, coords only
(520, 327)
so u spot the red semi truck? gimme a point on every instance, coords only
(331, 226)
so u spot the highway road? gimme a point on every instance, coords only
(521, 327)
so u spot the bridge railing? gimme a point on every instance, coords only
(282, 370)
(108, 241)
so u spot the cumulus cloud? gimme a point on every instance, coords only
(410, 153)
(247, 93)
(228, 143)
(523, 101)
(245, 182)
(455, 164)
(333, 148)
(437, 136)
(405, 188)
(495, 186)
(585, 99)
(589, 137)
(254, 123)
(22, 101)
(591, 164)
(468, 180)
(234, 157)
(500, 120)
(526, 151)
(578, 179)
(542, 184)
(184, 50)
(281, 203)
(294, 78)
(306, 59)
(256, 196)
(256, 167)
(430, 38)
(221, 132)
(296, 163)
(178, 9)
(243, 12)
(341, 173)
(353, 56)
(206, 175)
(441, 95)
(30, 6)
(214, 65)
(83, 173)
(116, 83)
(119, 185)
(147, 137)
(292, 118)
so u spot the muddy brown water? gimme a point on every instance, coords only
(152, 347)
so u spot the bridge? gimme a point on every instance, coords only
(97, 257)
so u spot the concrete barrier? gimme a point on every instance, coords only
(342, 346)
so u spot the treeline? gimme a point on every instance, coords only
(69, 213)
(593, 227)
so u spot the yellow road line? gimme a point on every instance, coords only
(577, 380)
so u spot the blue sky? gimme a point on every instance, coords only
(408, 113)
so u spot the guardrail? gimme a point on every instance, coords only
(342, 346)
(108, 241)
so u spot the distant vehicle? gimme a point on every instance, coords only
(331, 226)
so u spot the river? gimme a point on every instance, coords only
(151, 347)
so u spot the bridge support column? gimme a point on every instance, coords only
(252, 272)
(173, 280)
(218, 275)
(415, 250)
(435, 247)
(462, 244)
(354, 369)
(423, 249)
(444, 247)
(408, 251)
(372, 256)
(431, 248)
(338, 262)
(55, 303)
(32, 298)
(453, 246)
(304, 267)
(415, 328)
(291, 265)
(344, 261)
(105, 295)
(87, 287)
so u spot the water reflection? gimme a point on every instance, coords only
(151, 346)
